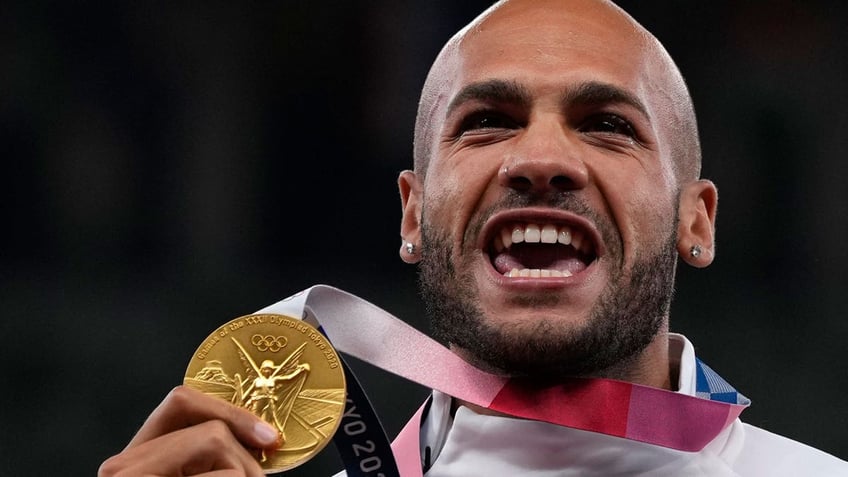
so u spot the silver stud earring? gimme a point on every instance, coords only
(410, 248)
(695, 251)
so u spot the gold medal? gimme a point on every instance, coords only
(281, 369)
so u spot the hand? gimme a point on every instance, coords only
(191, 433)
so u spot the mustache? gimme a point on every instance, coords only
(557, 200)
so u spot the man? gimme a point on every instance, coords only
(556, 183)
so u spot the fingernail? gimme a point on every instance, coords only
(265, 432)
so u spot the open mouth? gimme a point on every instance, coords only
(541, 250)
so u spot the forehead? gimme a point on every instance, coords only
(543, 43)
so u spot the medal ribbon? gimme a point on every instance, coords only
(617, 408)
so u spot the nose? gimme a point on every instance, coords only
(544, 160)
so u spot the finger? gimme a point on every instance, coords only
(185, 407)
(206, 448)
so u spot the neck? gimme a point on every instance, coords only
(650, 368)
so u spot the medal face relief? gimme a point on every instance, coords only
(280, 369)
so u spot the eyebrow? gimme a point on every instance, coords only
(511, 92)
(494, 90)
(599, 93)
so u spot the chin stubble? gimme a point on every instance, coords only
(628, 315)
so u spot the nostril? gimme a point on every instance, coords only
(561, 182)
(520, 183)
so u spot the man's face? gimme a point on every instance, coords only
(550, 136)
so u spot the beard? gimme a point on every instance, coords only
(628, 315)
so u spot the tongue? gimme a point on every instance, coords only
(538, 256)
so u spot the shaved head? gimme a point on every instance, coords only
(673, 106)
(554, 115)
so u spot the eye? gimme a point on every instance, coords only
(484, 120)
(608, 124)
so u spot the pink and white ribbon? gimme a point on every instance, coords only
(365, 331)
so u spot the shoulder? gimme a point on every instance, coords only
(762, 453)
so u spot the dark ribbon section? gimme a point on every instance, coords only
(360, 439)
(615, 408)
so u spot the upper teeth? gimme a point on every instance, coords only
(533, 233)
(536, 273)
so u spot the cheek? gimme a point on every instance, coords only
(439, 191)
(453, 196)
(654, 215)
(654, 211)
(643, 207)
(442, 209)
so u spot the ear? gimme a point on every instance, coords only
(696, 228)
(410, 224)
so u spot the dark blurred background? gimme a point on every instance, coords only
(172, 165)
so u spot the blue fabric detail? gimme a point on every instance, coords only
(732, 398)
(709, 385)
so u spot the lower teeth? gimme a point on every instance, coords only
(536, 273)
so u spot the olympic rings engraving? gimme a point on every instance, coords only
(268, 342)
